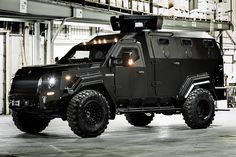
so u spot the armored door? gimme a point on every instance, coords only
(130, 82)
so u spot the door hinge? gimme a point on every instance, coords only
(154, 61)
(156, 83)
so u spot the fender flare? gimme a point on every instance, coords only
(202, 80)
(93, 83)
(194, 85)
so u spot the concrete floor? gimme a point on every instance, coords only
(165, 136)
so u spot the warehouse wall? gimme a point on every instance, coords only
(234, 16)
(16, 61)
(17, 54)
(230, 65)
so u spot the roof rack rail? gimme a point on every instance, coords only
(134, 23)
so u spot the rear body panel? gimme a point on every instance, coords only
(176, 57)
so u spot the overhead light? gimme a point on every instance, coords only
(115, 40)
(104, 41)
(94, 42)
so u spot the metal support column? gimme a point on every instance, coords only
(26, 44)
(50, 43)
(151, 6)
(36, 44)
(8, 70)
(231, 10)
(221, 40)
(93, 31)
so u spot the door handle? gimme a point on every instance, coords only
(140, 72)
(176, 63)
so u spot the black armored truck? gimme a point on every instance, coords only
(139, 72)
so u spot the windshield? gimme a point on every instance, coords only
(87, 53)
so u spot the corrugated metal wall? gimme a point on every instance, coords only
(2, 72)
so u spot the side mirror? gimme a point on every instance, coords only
(127, 59)
(56, 60)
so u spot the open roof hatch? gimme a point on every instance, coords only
(134, 23)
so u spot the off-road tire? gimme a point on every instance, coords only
(139, 119)
(88, 113)
(199, 109)
(29, 123)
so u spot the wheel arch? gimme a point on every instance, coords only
(197, 81)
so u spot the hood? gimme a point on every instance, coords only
(52, 66)
(55, 68)
(60, 66)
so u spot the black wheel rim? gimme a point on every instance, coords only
(204, 109)
(93, 113)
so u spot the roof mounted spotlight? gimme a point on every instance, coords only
(134, 23)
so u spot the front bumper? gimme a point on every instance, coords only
(40, 105)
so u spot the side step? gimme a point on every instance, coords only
(222, 109)
(149, 110)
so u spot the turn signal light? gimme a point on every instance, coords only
(50, 93)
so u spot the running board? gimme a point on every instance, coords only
(148, 110)
(222, 109)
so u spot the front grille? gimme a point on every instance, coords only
(24, 87)
(25, 84)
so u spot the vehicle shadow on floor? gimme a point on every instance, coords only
(128, 131)
(44, 135)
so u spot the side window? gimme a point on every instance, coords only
(211, 48)
(136, 55)
(208, 43)
(79, 54)
(186, 42)
(187, 45)
(163, 41)
(164, 44)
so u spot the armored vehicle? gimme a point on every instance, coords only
(139, 72)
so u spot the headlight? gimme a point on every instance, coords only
(51, 81)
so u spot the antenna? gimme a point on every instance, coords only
(134, 23)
